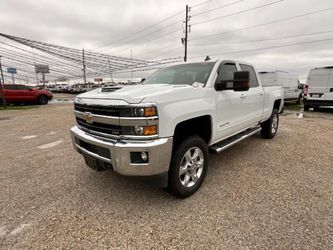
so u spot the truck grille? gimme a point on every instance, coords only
(98, 110)
(100, 127)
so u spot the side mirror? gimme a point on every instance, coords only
(241, 81)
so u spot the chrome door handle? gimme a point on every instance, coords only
(261, 92)
(242, 96)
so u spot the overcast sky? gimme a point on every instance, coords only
(99, 25)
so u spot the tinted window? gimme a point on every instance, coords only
(226, 72)
(253, 78)
(22, 87)
(11, 87)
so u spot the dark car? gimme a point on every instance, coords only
(18, 93)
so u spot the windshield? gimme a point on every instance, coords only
(182, 74)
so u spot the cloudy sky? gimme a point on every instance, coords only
(220, 28)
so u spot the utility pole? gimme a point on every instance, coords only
(84, 68)
(2, 87)
(131, 70)
(110, 69)
(13, 80)
(33, 54)
(186, 30)
(43, 77)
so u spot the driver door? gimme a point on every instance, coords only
(230, 110)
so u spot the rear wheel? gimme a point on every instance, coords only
(269, 128)
(42, 100)
(188, 167)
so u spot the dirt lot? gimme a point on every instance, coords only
(271, 194)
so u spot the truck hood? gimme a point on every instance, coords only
(134, 94)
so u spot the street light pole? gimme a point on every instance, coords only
(2, 87)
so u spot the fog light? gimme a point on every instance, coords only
(144, 156)
(138, 130)
(139, 157)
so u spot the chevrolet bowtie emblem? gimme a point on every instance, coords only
(88, 117)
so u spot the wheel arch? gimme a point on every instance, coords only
(200, 126)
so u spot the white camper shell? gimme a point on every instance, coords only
(289, 82)
(319, 88)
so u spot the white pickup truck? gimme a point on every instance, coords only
(165, 127)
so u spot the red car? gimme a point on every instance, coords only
(17, 93)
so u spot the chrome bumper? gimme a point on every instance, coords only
(159, 151)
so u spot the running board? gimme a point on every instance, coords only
(223, 145)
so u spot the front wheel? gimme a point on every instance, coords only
(42, 100)
(269, 128)
(188, 167)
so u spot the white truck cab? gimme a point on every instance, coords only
(289, 82)
(319, 88)
(166, 126)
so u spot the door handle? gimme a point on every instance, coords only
(261, 92)
(242, 96)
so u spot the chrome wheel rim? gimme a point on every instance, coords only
(274, 124)
(191, 167)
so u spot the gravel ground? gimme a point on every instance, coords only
(270, 194)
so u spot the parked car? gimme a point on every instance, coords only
(166, 126)
(318, 90)
(17, 93)
(289, 82)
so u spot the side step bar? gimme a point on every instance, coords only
(223, 145)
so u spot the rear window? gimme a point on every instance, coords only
(253, 77)
(11, 87)
(320, 77)
(16, 87)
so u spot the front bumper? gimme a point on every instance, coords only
(118, 153)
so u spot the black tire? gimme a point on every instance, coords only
(306, 108)
(268, 131)
(42, 100)
(175, 185)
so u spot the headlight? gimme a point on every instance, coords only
(139, 111)
(77, 99)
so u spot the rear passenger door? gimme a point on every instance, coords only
(253, 99)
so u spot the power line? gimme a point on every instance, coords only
(202, 3)
(151, 40)
(271, 39)
(147, 28)
(270, 47)
(217, 8)
(146, 35)
(140, 31)
(239, 12)
(264, 24)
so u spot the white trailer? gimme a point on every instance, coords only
(319, 88)
(288, 81)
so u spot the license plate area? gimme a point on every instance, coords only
(104, 152)
(95, 164)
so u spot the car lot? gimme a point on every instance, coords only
(258, 194)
